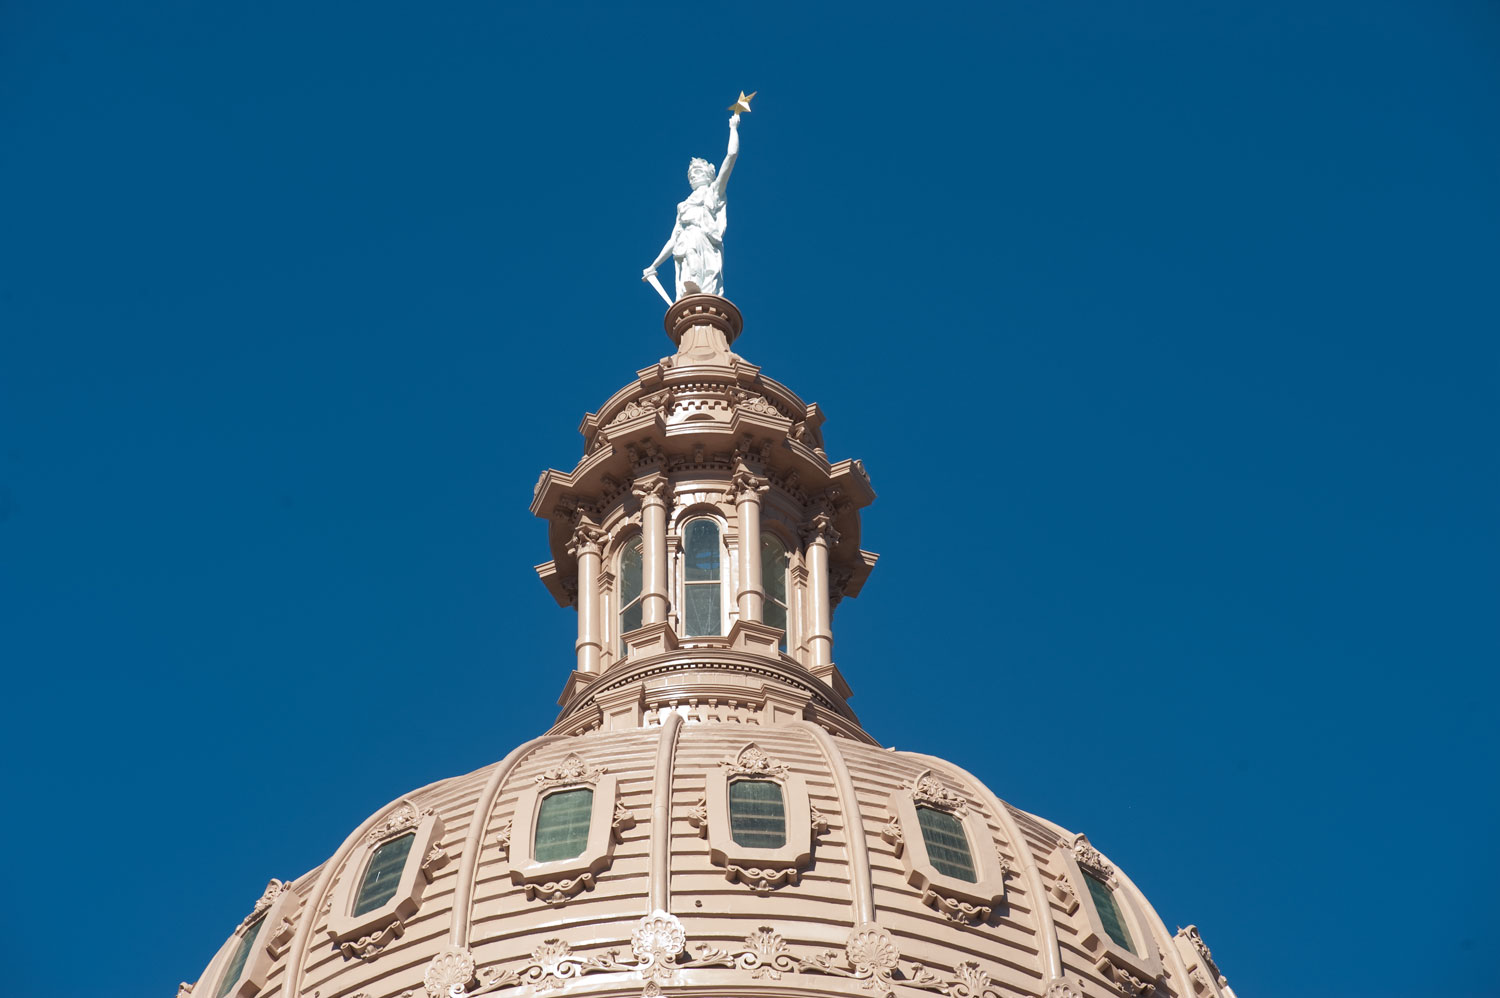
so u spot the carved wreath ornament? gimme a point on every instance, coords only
(870, 957)
(572, 770)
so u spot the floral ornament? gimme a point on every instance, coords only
(273, 890)
(753, 761)
(762, 880)
(449, 972)
(403, 819)
(955, 910)
(556, 892)
(622, 821)
(1089, 858)
(502, 838)
(928, 789)
(1191, 935)
(571, 770)
(368, 946)
(818, 818)
(698, 817)
(1064, 988)
(873, 955)
(765, 955)
(553, 964)
(656, 943)
(870, 956)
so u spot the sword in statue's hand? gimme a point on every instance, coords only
(649, 276)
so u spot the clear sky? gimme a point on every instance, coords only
(1167, 332)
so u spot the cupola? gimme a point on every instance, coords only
(705, 539)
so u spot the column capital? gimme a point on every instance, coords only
(746, 486)
(820, 528)
(587, 539)
(653, 489)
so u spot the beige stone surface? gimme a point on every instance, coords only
(662, 900)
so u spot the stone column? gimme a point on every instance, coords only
(747, 490)
(652, 491)
(820, 536)
(588, 547)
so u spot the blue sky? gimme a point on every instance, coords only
(1166, 331)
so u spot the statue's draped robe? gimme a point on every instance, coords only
(698, 241)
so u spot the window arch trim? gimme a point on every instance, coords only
(783, 864)
(958, 899)
(353, 934)
(274, 914)
(1078, 860)
(556, 881)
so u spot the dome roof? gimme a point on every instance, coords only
(707, 816)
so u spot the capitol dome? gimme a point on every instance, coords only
(707, 816)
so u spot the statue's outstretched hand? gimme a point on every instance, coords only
(647, 273)
(734, 122)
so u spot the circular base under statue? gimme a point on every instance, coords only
(690, 311)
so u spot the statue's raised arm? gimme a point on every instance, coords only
(696, 244)
(730, 156)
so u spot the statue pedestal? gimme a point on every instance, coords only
(703, 327)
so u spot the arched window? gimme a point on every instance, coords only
(947, 845)
(1109, 912)
(383, 875)
(773, 565)
(630, 589)
(236, 966)
(757, 814)
(562, 824)
(701, 614)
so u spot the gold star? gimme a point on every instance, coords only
(743, 104)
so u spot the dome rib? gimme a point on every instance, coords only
(861, 883)
(661, 816)
(468, 862)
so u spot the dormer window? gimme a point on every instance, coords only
(702, 590)
(757, 814)
(562, 824)
(565, 830)
(242, 952)
(240, 967)
(1113, 928)
(943, 840)
(947, 845)
(773, 567)
(631, 589)
(386, 879)
(759, 820)
(383, 875)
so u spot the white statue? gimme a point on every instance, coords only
(697, 241)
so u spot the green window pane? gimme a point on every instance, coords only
(700, 543)
(773, 562)
(630, 619)
(776, 617)
(757, 814)
(947, 845)
(241, 956)
(630, 572)
(383, 874)
(1109, 912)
(700, 615)
(562, 824)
